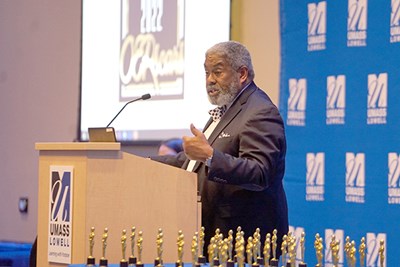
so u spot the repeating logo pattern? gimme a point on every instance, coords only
(347, 67)
(317, 26)
(335, 99)
(357, 23)
(393, 178)
(355, 177)
(395, 21)
(377, 98)
(315, 177)
(297, 102)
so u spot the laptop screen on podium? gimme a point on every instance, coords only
(102, 134)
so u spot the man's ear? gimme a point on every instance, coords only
(244, 74)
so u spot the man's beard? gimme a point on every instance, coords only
(225, 97)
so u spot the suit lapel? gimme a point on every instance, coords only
(230, 114)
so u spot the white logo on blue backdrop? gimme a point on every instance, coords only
(297, 102)
(352, 121)
(373, 249)
(355, 177)
(316, 26)
(393, 178)
(335, 99)
(377, 98)
(357, 23)
(315, 177)
(395, 22)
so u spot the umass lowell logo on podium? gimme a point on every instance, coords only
(60, 214)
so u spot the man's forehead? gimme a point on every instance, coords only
(214, 61)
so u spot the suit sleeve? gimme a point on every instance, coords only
(174, 160)
(261, 147)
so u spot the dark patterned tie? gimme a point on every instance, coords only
(217, 113)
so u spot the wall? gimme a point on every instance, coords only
(39, 85)
(255, 23)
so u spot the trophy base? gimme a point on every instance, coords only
(274, 263)
(302, 264)
(132, 260)
(103, 263)
(201, 260)
(255, 264)
(215, 262)
(157, 262)
(178, 264)
(123, 263)
(90, 261)
(139, 264)
(230, 263)
(260, 261)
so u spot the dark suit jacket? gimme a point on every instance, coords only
(243, 187)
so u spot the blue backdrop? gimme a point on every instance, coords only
(340, 99)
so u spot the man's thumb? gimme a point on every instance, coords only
(194, 130)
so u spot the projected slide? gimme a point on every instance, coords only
(136, 47)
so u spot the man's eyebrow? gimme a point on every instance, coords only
(218, 65)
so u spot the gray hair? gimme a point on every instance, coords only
(235, 54)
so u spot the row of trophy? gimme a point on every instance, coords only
(220, 250)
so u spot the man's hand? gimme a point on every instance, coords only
(197, 147)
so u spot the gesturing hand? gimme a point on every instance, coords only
(197, 146)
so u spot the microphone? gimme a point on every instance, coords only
(143, 97)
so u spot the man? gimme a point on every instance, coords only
(240, 157)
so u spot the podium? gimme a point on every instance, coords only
(117, 190)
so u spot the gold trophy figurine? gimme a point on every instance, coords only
(319, 246)
(239, 249)
(132, 258)
(303, 249)
(180, 242)
(249, 250)
(230, 262)
(216, 247)
(291, 247)
(123, 262)
(139, 245)
(347, 245)
(195, 250)
(284, 250)
(103, 260)
(91, 259)
(267, 250)
(274, 261)
(224, 252)
(201, 259)
(159, 242)
(352, 254)
(257, 259)
(238, 232)
(382, 253)
(334, 245)
(361, 251)
(210, 251)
